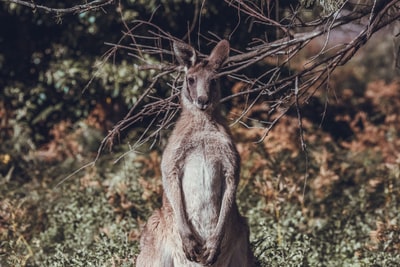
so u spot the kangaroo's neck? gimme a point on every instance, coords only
(192, 121)
(192, 115)
(199, 115)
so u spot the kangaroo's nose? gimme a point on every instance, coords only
(202, 102)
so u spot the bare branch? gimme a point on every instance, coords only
(150, 46)
(95, 4)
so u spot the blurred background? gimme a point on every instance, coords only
(334, 205)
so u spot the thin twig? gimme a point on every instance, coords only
(271, 84)
(95, 4)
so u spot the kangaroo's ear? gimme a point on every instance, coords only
(185, 54)
(219, 54)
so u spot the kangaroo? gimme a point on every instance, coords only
(199, 222)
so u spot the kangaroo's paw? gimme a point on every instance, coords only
(211, 250)
(192, 247)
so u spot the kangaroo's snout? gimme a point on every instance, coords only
(203, 102)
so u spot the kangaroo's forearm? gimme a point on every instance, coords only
(227, 203)
(173, 190)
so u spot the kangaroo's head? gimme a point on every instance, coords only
(200, 90)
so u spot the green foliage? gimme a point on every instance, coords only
(334, 231)
(348, 213)
(78, 224)
(82, 232)
(52, 123)
(328, 6)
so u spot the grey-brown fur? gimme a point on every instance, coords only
(199, 223)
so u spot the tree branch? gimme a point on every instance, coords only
(282, 90)
(95, 4)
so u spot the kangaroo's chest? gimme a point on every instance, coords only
(202, 175)
(203, 180)
(204, 162)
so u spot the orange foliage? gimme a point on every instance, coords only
(62, 146)
(387, 236)
(66, 141)
(325, 178)
(150, 179)
(383, 138)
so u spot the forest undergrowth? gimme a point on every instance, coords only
(335, 203)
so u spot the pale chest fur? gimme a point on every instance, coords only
(205, 156)
(203, 180)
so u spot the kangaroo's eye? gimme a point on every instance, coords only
(190, 81)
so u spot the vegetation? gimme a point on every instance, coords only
(328, 195)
